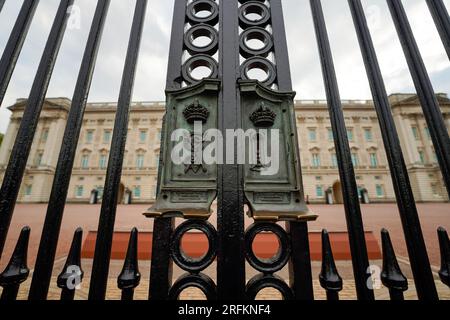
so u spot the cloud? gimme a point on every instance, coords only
(151, 73)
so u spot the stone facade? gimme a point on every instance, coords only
(319, 162)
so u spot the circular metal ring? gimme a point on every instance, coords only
(245, 1)
(199, 60)
(200, 281)
(202, 30)
(258, 34)
(260, 282)
(256, 7)
(203, 5)
(179, 257)
(279, 260)
(259, 63)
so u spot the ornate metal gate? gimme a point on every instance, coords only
(226, 100)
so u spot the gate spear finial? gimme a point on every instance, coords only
(329, 277)
(392, 276)
(130, 277)
(17, 270)
(444, 243)
(72, 268)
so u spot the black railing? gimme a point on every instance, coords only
(229, 243)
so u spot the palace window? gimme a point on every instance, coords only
(89, 136)
(103, 162)
(350, 134)
(44, 135)
(368, 134)
(319, 191)
(140, 161)
(330, 135)
(312, 133)
(157, 161)
(79, 191)
(100, 190)
(415, 133)
(39, 159)
(427, 133)
(28, 190)
(355, 159)
(334, 161)
(316, 160)
(85, 162)
(159, 135)
(379, 190)
(143, 136)
(373, 160)
(107, 136)
(422, 156)
(137, 192)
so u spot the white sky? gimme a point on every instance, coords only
(150, 80)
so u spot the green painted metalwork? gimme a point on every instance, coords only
(274, 195)
(188, 190)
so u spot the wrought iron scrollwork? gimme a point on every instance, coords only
(179, 257)
(201, 26)
(194, 277)
(268, 267)
(275, 263)
(200, 281)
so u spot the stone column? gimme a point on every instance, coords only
(408, 142)
(53, 144)
(8, 142)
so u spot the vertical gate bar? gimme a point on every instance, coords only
(300, 264)
(346, 171)
(161, 263)
(424, 88)
(300, 273)
(21, 150)
(161, 268)
(15, 44)
(55, 210)
(176, 45)
(230, 213)
(442, 21)
(100, 267)
(420, 263)
(280, 46)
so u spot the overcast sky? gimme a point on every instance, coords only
(150, 80)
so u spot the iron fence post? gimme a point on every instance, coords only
(346, 171)
(100, 268)
(415, 242)
(55, 210)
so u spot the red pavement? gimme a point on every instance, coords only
(376, 216)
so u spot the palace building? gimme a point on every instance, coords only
(318, 155)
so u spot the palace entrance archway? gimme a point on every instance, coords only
(337, 193)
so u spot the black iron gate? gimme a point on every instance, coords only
(230, 244)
